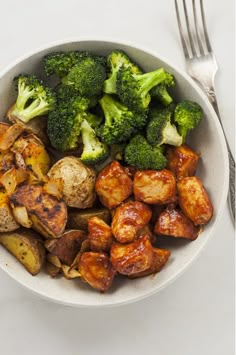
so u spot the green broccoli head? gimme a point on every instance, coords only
(64, 123)
(118, 126)
(116, 60)
(87, 77)
(161, 93)
(94, 151)
(187, 116)
(133, 89)
(33, 98)
(160, 130)
(65, 93)
(142, 155)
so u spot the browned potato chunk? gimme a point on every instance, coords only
(78, 219)
(174, 223)
(10, 135)
(100, 235)
(155, 187)
(182, 161)
(132, 258)
(67, 246)
(7, 221)
(6, 161)
(194, 201)
(97, 270)
(159, 259)
(128, 219)
(113, 185)
(47, 213)
(27, 247)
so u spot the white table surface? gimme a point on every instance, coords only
(194, 315)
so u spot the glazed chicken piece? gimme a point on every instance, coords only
(182, 161)
(100, 235)
(159, 259)
(113, 185)
(97, 270)
(128, 219)
(174, 223)
(155, 187)
(194, 201)
(133, 257)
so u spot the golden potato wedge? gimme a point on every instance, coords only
(78, 219)
(10, 135)
(27, 247)
(7, 221)
(47, 213)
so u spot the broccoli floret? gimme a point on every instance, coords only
(187, 116)
(133, 89)
(87, 77)
(160, 92)
(118, 126)
(115, 60)
(94, 151)
(142, 155)
(67, 93)
(64, 123)
(160, 130)
(33, 98)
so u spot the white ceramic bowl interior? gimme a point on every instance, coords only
(213, 170)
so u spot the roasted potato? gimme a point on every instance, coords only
(7, 221)
(133, 257)
(100, 235)
(9, 136)
(78, 219)
(6, 161)
(155, 187)
(173, 222)
(159, 259)
(194, 200)
(182, 161)
(97, 270)
(27, 247)
(128, 219)
(47, 213)
(67, 246)
(113, 185)
(78, 181)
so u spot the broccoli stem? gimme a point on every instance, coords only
(149, 80)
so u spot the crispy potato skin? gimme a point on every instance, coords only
(194, 201)
(159, 259)
(155, 187)
(78, 181)
(128, 219)
(67, 246)
(100, 235)
(174, 223)
(7, 221)
(27, 247)
(97, 270)
(133, 257)
(113, 185)
(182, 161)
(48, 214)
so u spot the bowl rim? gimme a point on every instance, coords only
(50, 45)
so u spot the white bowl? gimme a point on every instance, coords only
(213, 170)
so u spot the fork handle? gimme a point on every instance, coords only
(210, 92)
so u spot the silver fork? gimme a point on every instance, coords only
(202, 67)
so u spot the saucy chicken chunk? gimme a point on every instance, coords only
(113, 185)
(100, 235)
(174, 223)
(155, 187)
(133, 257)
(128, 219)
(194, 201)
(97, 270)
(182, 161)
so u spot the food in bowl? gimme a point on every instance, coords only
(114, 174)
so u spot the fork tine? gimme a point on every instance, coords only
(208, 45)
(199, 41)
(187, 54)
(191, 42)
